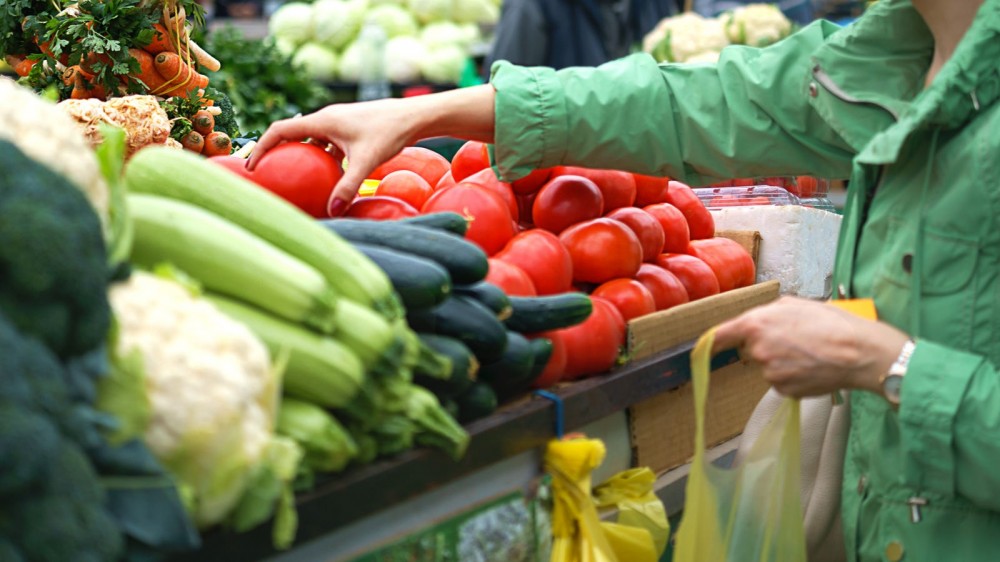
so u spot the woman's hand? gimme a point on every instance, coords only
(809, 348)
(370, 133)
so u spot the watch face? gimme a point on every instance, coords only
(892, 386)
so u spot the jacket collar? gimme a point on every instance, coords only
(896, 37)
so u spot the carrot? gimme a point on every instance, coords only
(91, 59)
(201, 80)
(204, 59)
(161, 41)
(178, 74)
(147, 73)
(217, 143)
(24, 66)
(194, 142)
(203, 122)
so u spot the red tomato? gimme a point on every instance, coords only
(512, 279)
(532, 182)
(743, 182)
(541, 255)
(732, 264)
(554, 369)
(472, 157)
(380, 208)
(565, 201)
(234, 164)
(666, 288)
(650, 190)
(602, 250)
(646, 228)
(488, 179)
(594, 345)
(629, 296)
(701, 224)
(445, 181)
(675, 227)
(422, 161)
(777, 181)
(696, 276)
(301, 173)
(618, 188)
(490, 223)
(406, 185)
(804, 186)
(524, 205)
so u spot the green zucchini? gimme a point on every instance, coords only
(477, 402)
(465, 262)
(513, 370)
(192, 179)
(467, 321)
(448, 221)
(464, 366)
(542, 348)
(420, 282)
(489, 295)
(539, 314)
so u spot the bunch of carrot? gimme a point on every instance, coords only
(203, 139)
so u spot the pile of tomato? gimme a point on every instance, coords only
(636, 244)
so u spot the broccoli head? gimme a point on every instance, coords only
(28, 443)
(226, 120)
(53, 275)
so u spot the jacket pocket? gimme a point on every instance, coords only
(948, 289)
(949, 260)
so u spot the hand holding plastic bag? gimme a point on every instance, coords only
(749, 513)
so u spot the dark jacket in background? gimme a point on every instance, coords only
(563, 33)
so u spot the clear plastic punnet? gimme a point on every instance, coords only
(801, 190)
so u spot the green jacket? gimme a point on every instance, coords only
(924, 197)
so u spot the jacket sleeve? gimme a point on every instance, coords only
(747, 115)
(950, 422)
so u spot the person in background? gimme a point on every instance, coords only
(799, 11)
(565, 33)
(905, 101)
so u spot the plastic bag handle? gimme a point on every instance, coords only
(701, 362)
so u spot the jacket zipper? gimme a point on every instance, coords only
(823, 78)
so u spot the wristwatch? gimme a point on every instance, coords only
(892, 381)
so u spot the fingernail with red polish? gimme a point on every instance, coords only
(336, 207)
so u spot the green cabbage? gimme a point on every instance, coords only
(476, 11)
(443, 65)
(337, 22)
(292, 22)
(318, 62)
(394, 21)
(427, 11)
(350, 63)
(402, 59)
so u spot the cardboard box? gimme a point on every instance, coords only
(662, 427)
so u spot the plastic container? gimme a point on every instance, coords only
(807, 191)
(745, 196)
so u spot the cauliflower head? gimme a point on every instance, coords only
(757, 25)
(211, 388)
(48, 135)
(685, 37)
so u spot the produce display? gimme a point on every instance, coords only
(424, 40)
(132, 64)
(689, 37)
(193, 344)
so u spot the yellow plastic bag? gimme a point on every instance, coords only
(748, 513)
(578, 534)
